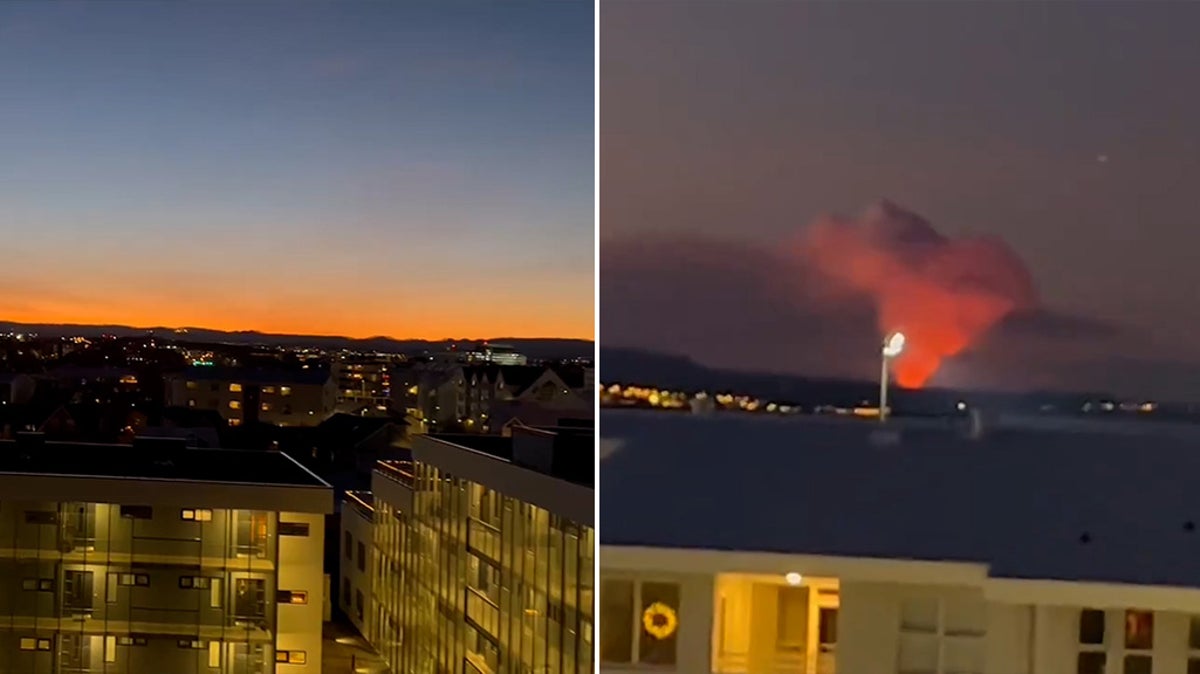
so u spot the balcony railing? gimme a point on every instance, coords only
(400, 471)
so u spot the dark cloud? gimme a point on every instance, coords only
(747, 308)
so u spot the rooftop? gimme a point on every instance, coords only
(153, 459)
(571, 450)
(1030, 497)
(317, 376)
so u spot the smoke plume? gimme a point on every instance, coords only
(943, 294)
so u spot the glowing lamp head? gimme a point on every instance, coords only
(894, 345)
(793, 579)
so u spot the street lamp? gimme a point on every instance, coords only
(892, 347)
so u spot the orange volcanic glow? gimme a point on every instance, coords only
(942, 294)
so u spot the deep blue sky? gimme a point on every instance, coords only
(413, 169)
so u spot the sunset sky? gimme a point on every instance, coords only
(327, 168)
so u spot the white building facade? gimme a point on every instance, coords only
(791, 549)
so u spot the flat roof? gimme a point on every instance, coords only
(1029, 498)
(233, 466)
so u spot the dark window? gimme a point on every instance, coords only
(194, 582)
(41, 517)
(250, 600)
(29, 584)
(827, 626)
(293, 528)
(358, 603)
(1139, 630)
(658, 640)
(1138, 664)
(1091, 626)
(349, 546)
(137, 512)
(291, 597)
(77, 590)
(1193, 666)
(46, 585)
(346, 591)
(1090, 663)
(362, 557)
(616, 621)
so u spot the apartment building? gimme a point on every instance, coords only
(734, 544)
(441, 396)
(481, 554)
(364, 382)
(282, 397)
(158, 558)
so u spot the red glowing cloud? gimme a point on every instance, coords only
(943, 294)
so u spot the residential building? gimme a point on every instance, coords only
(496, 353)
(302, 397)
(158, 558)
(736, 544)
(364, 383)
(480, 554)
(16, 389)
(451, 396)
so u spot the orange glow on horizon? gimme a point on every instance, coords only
(313, 319)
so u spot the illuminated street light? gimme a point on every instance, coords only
(892, 347)
(794, 579)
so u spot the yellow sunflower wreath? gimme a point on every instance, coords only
(660, 620)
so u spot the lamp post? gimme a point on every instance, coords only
(892, 347)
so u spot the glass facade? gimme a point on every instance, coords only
(95, 587)
(476, 581)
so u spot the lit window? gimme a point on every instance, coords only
(191, 402)
(291, 657)
(235, 404)
(196, 515)
(1139, 630)
(656, 614)
(298, 597)
(268, 389)
(191, 385)
(133, 579)
(28, 644)
(285, 390)
(235, 422)
(266, 407)
(235, 388)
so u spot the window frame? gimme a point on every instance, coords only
(638, 631)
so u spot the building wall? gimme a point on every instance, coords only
(301, 569)
(895, 627)
(356, 559)
(471, 579)
(87, 586)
